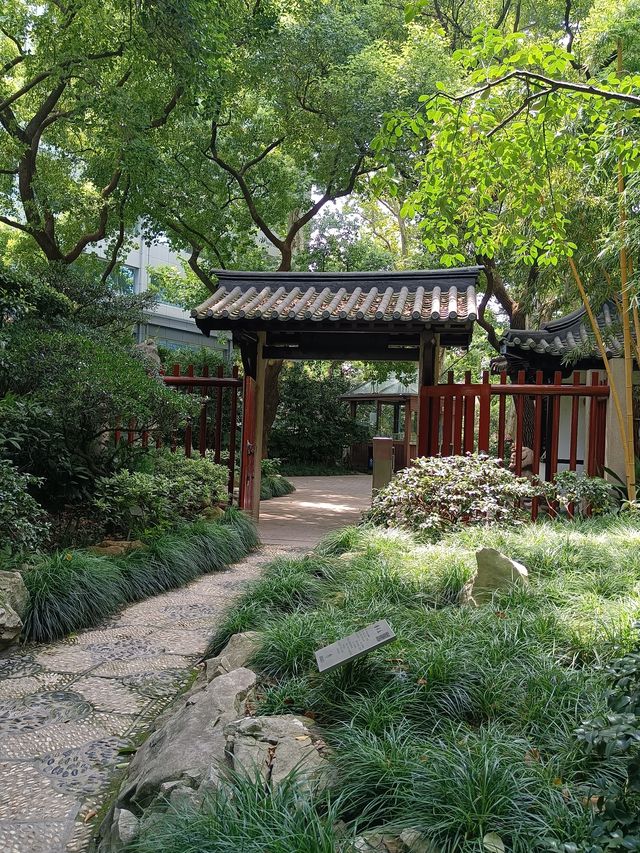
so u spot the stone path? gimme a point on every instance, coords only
(318, 505)
(69, 711)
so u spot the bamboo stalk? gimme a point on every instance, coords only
(626, 327)
(622, 424)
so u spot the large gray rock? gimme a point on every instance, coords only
(495, 571)
(235, 654)
(14, 603)
(274, 747)
(188, 742)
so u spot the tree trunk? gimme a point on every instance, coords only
(271, 400)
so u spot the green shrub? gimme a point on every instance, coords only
(569, 487)
(173, 487)
(71, 590)
(437, 493)
(197, 481)
(248, 816)
(23, 523)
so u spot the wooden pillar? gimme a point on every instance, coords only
(427, 377)
(258, 445)
(378, 415)
(407, 433)
(353, 409)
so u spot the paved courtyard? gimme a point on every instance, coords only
(318, 505)
(70, 711)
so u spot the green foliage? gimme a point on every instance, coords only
(66, 378)
(23, 523)
(246, 815)
(465, 726)
(199, 358)
(70, 590)
(92, 91)
(172, 486)
(312, 425)
(570, 487)
(438, 493)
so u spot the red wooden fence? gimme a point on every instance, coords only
(214, 432)
(458, 419)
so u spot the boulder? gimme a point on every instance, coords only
(495, 571)
(10, 625)
(274, 746)
(14, 592)
(235, 654)
(188, 742)
(14, 603)
(409, 841)
(212, 513)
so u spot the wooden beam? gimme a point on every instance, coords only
(354, 351)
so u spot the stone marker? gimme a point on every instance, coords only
(495, 571)
(354, 646)
(14, 603)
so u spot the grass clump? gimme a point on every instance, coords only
(71, 590)
(246, 816)
(465, 726)
(272, 483)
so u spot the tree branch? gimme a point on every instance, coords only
(254, 162)
(255, 214)
(121, 234)
(552, 84)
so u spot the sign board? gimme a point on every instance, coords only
(378, 634)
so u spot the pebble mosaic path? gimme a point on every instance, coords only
(68, 711)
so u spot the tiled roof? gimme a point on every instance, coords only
(560, 338)
(425, 296)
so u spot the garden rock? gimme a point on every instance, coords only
(495, 571)
(14, 592)
(409, 841)
(274, 746)
(116, 547)
(14, 603)
(10, 625)
(185, 746)
(235, 654)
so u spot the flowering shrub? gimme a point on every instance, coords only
(437, 493)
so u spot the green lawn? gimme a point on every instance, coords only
(466, 724)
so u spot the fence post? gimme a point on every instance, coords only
(382, 462)
(485, 412)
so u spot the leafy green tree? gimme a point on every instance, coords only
(87, 91)
(313, 425)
